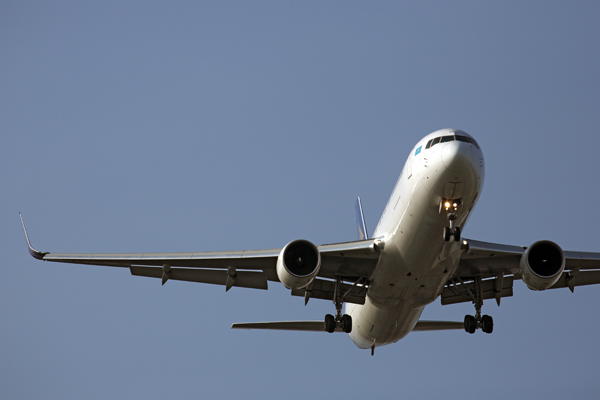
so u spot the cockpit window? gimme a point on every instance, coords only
(444, 139)
(472, 141)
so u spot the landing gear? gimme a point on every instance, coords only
(447, 234)
(485, 322)
(451, 207)
(346, 323)
(342, 321)
(330, 323)
(470, 324)
(450, 232)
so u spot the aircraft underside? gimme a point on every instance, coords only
(415, 256)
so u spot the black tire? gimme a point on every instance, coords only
(457, 234)
(488, 324)
(329, 323)
(347, 323)
(446, 234)
(470, 324)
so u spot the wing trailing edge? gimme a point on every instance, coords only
(228, 278)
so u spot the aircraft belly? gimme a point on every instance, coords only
(416, 262)
(374, 326)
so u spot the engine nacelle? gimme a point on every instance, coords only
(298, 264)
(542, 264)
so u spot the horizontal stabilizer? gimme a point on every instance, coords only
(306, 326)
(319, 326)
(437, 326)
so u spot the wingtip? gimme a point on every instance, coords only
(34, 253)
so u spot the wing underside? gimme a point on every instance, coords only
(350, 263)
(493, 268)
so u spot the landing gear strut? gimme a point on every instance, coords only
(485, 322)
(451, 207)
(342, 321)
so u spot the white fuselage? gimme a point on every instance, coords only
(416, 261)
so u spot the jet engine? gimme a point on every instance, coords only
(298, 264)
(542, 264)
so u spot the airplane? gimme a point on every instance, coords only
(381, 284)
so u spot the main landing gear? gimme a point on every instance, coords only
(485, 322)
(342, 321)
(451, 207)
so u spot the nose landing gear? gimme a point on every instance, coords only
(452, 232)
(451, 207)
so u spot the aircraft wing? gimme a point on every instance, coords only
(353, 262)
(497, 265)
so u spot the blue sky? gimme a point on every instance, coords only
(197, 126)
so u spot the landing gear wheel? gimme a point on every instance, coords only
(446, 234)
(329, 323)
(457, 234)
(347, 323)
(470, 324)
(487, 324)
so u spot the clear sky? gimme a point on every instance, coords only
(199, 126)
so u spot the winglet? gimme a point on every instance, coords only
(360, 221)
(34, 253)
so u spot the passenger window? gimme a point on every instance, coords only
(447, 139)
(429, 144)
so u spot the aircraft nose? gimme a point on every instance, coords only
(457, 156)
